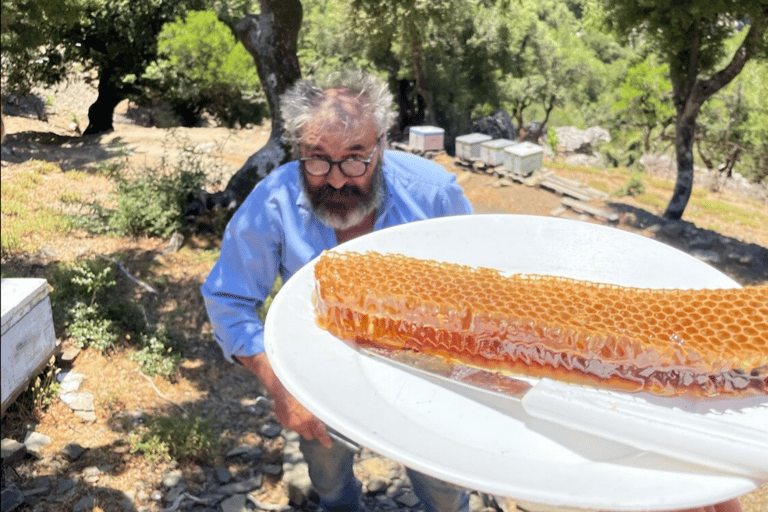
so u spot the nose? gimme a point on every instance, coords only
(335, 177)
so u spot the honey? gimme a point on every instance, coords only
(666, 341)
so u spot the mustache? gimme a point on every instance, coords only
(329, 193)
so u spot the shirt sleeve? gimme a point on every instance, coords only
(242, 278)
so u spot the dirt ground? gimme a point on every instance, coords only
(205, 384)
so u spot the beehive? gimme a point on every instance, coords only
(426, 138)
(523, 158)
(699, 342)
(468, 146)
(492, 151)
(28, 338)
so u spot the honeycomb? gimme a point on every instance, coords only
(664, 341)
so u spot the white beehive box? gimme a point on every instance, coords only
(426, 138)
(28, 337)
(492, 151)
(468, 146)
(523, 158)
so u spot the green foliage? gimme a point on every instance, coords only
(645, 99)
(90, 328)
(153, 202)
(84, 301)
(27, 53)
(159, 355)
(178, 438)
(552, 139)
(201, 67)
(633, 187)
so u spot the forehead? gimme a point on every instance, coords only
(341, 120)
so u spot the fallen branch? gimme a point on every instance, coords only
(119, 265)
(160, 393)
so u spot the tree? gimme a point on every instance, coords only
(644, 99)
(28, 55)
(118, 39)
(271, 38)
(692, 36)
(202, 67)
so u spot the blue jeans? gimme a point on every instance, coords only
(330, 470)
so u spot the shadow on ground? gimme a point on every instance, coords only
(745, 263)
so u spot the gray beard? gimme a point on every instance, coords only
(355, 216)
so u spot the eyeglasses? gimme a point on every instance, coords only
(350, 167)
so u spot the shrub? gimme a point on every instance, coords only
(202, 68)
(159, 354)
(154, 202)
(179, 438)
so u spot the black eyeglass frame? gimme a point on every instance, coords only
(340, 163)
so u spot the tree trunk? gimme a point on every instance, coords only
(101, 112)
(420, 82)
(271, 38)
(690, 93)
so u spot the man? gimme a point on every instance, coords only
(345, 184)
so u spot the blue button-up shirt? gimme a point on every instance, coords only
(275, 232)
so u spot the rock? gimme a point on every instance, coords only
(408, 499)
(35, 442)
(78, 401)
(234, 503)
(12, 451)
(11, 498)
(272, 469)
(69, 355)
(69, 381)
(172, 478)
(376, 485)
(222, 474)
(85, 503)
(297, 484)
(64, 485)
(270, 430)
(573, 140)
(245, 450)
(243, 486)
(498, 125)
(72, 451)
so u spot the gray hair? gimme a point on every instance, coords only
(302, 101)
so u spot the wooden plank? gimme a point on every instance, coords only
(566, 190)
(590, 209)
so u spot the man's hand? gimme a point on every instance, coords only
(289, 412)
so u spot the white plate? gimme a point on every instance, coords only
(476, 445)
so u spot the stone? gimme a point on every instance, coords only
(78, 401)
(172, 478)
(376, 486)
(11, 498)
(243, 486)
(34, 443)
(12, 451)
(270, 430)
(222, 474)
(72, 451)
(69, 355)
(85, 503)
(69, 381)
(65, 484)
(235, 503)
(245, 450)
(272, 469)
(87, 416)
(297, 484)
(408, 499)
